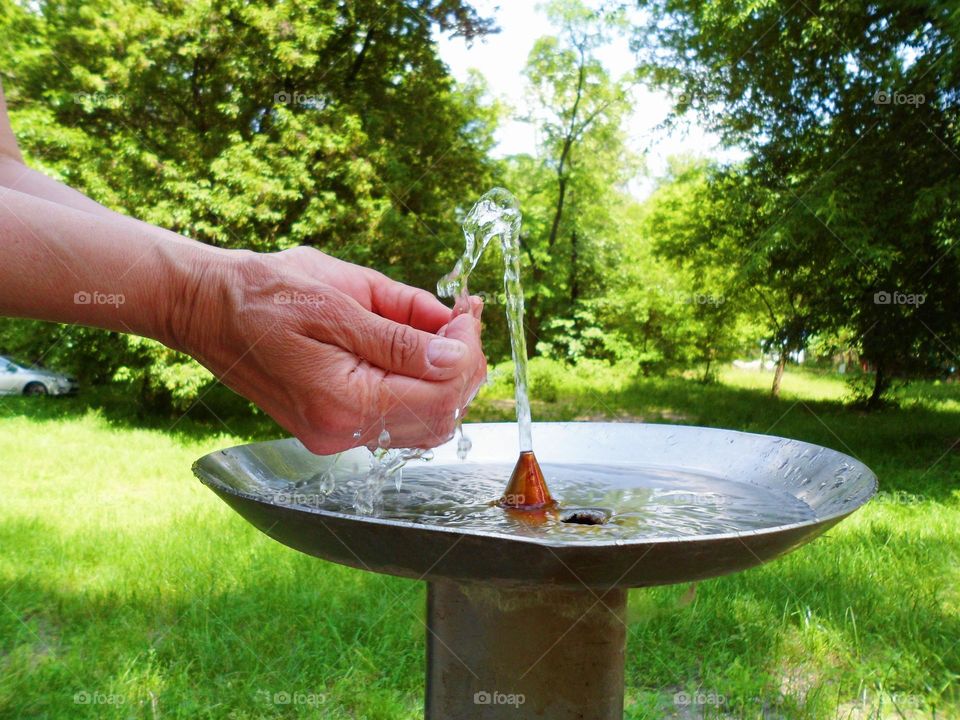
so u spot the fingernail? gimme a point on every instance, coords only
(444, 353)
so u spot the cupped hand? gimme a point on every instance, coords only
(332, 351)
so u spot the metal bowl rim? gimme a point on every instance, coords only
(209, 480)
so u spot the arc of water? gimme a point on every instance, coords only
(497, 215)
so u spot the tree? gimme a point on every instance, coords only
(700, 231)
(260, 126)
(578, 186)
(850, 111)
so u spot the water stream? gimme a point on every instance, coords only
(496, 215)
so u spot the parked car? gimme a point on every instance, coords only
(16, 379)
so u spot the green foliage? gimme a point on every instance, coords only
(850, 110)
(574, 192)
(259, 126)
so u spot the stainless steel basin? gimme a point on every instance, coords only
(521, 612)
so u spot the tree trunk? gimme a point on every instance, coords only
(531, 325)
(574, 278)
(880, 384)
(778, 373)
(358, 60)
(558, 213)
(706, 371)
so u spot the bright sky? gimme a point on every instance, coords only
(501, 59)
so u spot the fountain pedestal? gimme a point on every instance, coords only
(530, 652)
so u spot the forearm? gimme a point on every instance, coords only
(62, 264)
(8, 143)
(14, 175)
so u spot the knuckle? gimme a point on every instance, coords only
(443, 422)
(298, 252)
(403, 346)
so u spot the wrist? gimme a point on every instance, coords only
(199, 280)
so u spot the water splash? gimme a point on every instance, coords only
(385, 462)
(496, 215)
(464, 445)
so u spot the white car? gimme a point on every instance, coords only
(20, 380)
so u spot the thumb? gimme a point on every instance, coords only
(466, 329)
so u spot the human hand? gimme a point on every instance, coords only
(329, 349)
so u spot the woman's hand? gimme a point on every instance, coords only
(330, 349)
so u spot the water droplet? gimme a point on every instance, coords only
(357, 434)
(383, 441)
(464, 445)
(327, 482)
(362, 502)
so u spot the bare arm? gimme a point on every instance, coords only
(8, 143)
(14, 174)
(325, 347)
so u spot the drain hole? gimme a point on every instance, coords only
(585, 516)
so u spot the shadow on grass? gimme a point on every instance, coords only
(219, 411)
(762, 637)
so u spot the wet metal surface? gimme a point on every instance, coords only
(256, 480)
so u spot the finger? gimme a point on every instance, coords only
(405, 304)
(424, 414)
(418, 413)
(396, 347)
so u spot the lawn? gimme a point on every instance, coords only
(129, 590)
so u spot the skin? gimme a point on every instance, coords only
(325, 347)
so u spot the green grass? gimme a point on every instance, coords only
(123, 578)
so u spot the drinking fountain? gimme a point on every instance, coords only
(526, 611)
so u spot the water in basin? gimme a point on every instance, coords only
(626, 501)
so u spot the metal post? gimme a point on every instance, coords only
(522, 653)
